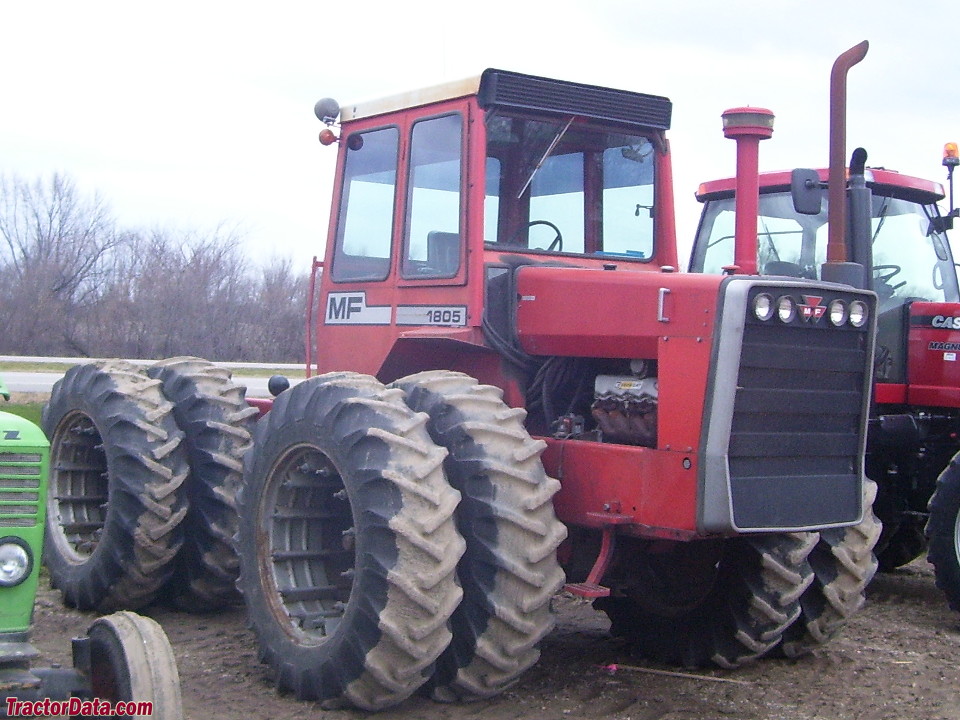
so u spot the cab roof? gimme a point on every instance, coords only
(881, 180)
(505, 89)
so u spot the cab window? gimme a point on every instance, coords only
(432, 238)
(365, 217)
(566, 185)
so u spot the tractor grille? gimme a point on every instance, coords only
(797, 423)
(20, 475)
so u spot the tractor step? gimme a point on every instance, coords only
(587, 590)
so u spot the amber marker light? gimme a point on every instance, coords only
(951, 157)
(328, 137)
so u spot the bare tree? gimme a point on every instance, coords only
(55, 243)
(70, 283)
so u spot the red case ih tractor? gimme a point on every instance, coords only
(915, 418)
(515, 385)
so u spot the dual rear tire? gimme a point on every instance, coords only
(144, 471)
(355, 543)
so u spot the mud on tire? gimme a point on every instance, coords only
(216, 421)
(750, 594)
(348, 545)
(943, 532)
(509, 571)
(116, 501)
(843, 564)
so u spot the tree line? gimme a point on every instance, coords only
(73, 283)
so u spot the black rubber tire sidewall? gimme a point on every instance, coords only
(941, 532)
(146, 468)
(318, 413)
(217, 423)
(741, 618)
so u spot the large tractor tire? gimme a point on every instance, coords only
(217, 423)
(724, 602)
(509, 571)
(843, 564)
(116, 501)
(943, 532)
(131, 661)
(348, 543)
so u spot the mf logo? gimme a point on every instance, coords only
(811, 309)
(350, 308)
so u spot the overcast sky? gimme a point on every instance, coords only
(195, 114)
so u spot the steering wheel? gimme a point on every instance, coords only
(884, 273)
(556, 243)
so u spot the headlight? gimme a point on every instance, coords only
(858, 313)
(16, 561)
(838, 312)
(763, 307)
(786, 308)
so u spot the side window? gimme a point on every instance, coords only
(365, 220)
(433, 244)
(628, 200)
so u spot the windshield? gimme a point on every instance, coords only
(563, 185)
(911, 261)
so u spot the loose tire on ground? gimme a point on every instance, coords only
(943, 532)
(131, 661)
(509, 571)
(725, 602)
(116, 501)
(843, 564)
(217, 422)
(348, 544)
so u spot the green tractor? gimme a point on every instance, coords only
(123, 658)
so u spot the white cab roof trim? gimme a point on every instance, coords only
(416, 98)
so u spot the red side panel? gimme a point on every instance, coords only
(656, 489)
(598, 313)
(933, 363)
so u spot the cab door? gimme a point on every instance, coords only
(396, 256)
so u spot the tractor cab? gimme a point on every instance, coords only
(444, 190)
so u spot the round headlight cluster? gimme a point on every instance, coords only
(837, 312)
(786, 308)
(16, 561)
(858, 313)
(763, 307)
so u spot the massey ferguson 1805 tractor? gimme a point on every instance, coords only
(900, 235)
(512, 391)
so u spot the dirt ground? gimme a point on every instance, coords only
(899, 658)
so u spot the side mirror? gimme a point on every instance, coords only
(942, 223)
(805, 191)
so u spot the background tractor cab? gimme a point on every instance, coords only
(898, 231)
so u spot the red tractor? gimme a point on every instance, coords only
(898, 233)
(513, 392)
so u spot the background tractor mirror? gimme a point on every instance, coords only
(805, 191)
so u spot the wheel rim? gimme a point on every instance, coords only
(79, 487)
(956, 537)
(307, 547)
